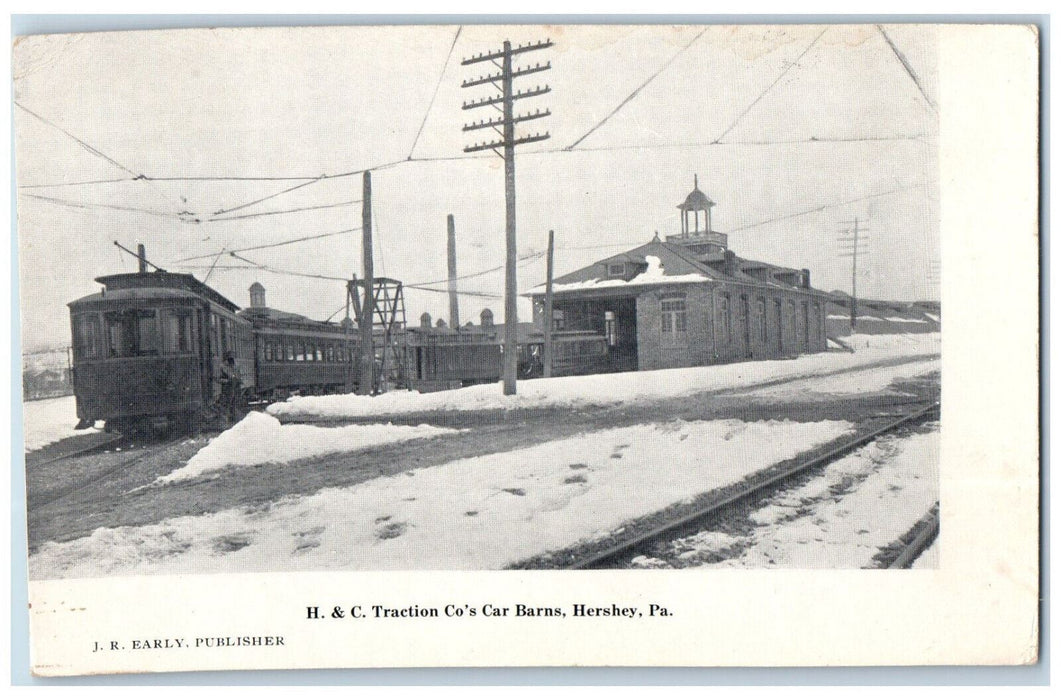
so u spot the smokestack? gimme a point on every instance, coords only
(451, 262)
(806, 278)
(141, 256)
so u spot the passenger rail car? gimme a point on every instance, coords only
(150, 347)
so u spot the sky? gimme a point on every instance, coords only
(791, 130)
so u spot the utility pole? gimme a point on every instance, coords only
(451, 272)
(547, 353)
(850, 243)
(141, 256)
(366, 380)
(505, 126)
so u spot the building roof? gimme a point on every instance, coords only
(660, 263)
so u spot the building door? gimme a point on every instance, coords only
(779, 326)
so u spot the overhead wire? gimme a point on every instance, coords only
(100, 205)
(908, 68)
(274, 245)
(771, 86)
(637, 90)
(431, 103)
(283, 211)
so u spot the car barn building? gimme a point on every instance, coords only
(688, 301)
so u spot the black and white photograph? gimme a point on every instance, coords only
(471, 298)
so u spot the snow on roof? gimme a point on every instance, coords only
(655, 274)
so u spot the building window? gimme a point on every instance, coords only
(673, 318)
(558, 320)
(611, 331)
(761, 307)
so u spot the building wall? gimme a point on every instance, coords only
(726, 323)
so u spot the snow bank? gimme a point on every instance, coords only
(867, 381)
(477, 513)
(49, 420)
(260, 439)
(607, 389)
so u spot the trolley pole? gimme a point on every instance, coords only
(506, 128)
(367, 379)
(547, 322)
(451, 272)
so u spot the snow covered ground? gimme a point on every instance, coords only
(893, 482)
(477, 513)
(49, 420)
(607, 389)
(875, 379)
(929, 558)
(260, 439)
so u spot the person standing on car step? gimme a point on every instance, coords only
(231, 387)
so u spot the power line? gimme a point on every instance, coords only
(275, 245)
(279, 271)
(908, 68)
(310, 181)
(633, 94)
(526, 257)
(770, 87)
(91, 205)
(91, 149)
(434, 94)
(827, 206)
(78, 184)
(284, 211)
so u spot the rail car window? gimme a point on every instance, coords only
(132, 333)
(329, 353)
(178, 331)
(318, 354)
(86, 336)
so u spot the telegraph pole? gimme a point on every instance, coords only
(367, 379)
(849, 241)
(451, 272)
(505, 127)
(547, 353)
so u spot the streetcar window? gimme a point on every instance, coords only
(132, 333)
(300, 353)
(319, 354)
(86, 336)
(330, 353)
(309, 352)
(269, 351)
(178, 331)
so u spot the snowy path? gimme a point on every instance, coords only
(476, 513)
(609, 389)
(839, 519)
(49, 420)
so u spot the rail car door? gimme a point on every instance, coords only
(211, 355)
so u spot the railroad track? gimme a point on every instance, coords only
(617, 552)
(145, 452)
(915, 542)
(98, 447)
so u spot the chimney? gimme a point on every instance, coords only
(257, 296)
(486, 318)
(805, 278)
(729, 264)
(425, 320)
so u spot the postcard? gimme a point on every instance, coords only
(529, 345)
